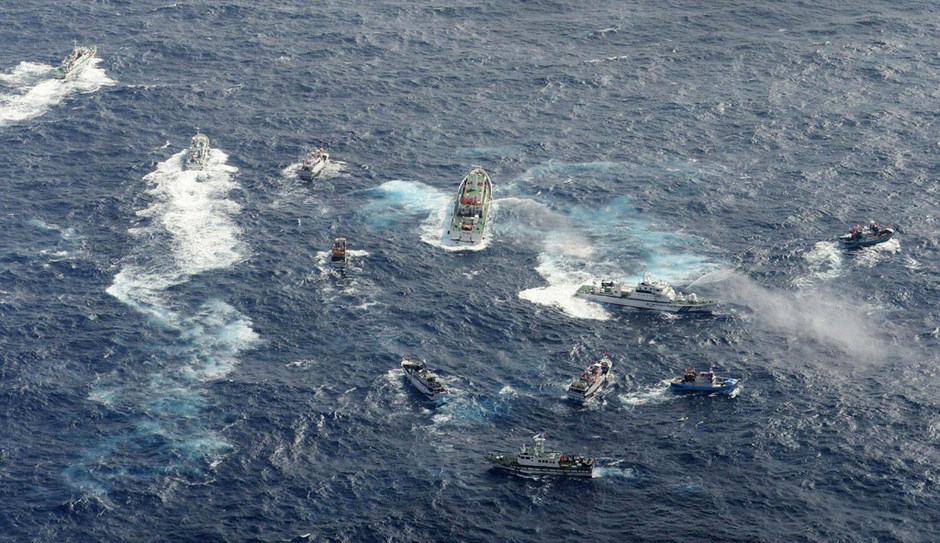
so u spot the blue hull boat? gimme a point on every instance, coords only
(705, 381)
(728, 385)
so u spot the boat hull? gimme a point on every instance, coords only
(195, 165)
(728, 385)
(465, 236)
(846, 242)
(575, 393)
(313, 171)
(557, 472)
(644, 305)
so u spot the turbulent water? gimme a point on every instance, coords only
(180, 363)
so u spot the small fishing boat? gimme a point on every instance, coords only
(417, 373)
(590, 380)
(339, 258)
(866, 236)
(703, 381)
(314, 163)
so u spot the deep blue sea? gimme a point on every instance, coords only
(179, 363)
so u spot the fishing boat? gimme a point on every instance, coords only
(198, 152)
(590, 380)
(866, 236)
(648, 295)
(339, 258)
(77, 59)
(703, 381)
(418, 375)
(314, 163)
(472, 208)
(535, 460)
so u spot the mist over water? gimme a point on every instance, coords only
(819, 316)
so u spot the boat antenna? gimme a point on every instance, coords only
(539, 442)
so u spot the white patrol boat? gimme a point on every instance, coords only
(314, 163)
(198, 152)
(77, 59)
(537, 461)
(590, 380)
(422, 379)
(472, 208)
(647, 295)
(338, 256)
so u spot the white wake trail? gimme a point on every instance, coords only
(29, 91)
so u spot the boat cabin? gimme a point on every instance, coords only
(610, 288)
(339, 247)
(654, 289)
(693, 377)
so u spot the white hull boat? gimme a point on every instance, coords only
(646, 296)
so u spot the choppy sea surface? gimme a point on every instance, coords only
(179, 363)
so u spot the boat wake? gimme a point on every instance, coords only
(868, 257)
(609, 468)
(461, 409)
(29, 91)
(653, 394)
(188, 228)
(326, 270)
(824, 261)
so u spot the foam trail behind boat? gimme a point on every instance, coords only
(188, 228)
(29, 91)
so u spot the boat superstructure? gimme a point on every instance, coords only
(866, 236)
(537, 461)
(314, 162)
(339, 258)
(418, 375)
(591, 379)
(75, 61)
(198, 152)
(703, 381)
(647, 295)
(472, 208)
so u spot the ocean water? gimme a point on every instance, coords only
(179, 363)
